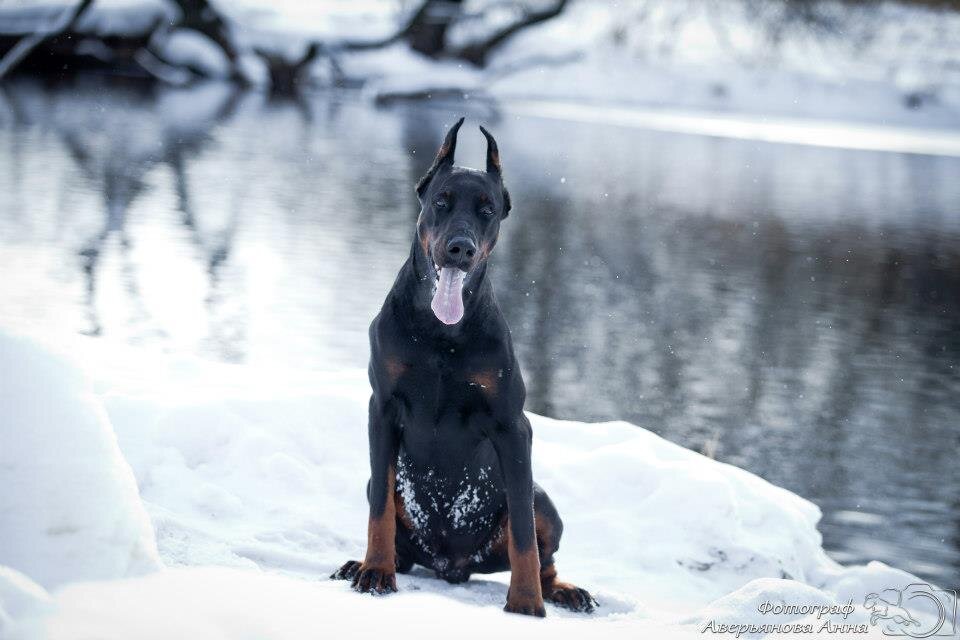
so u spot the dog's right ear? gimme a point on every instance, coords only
(444, 157)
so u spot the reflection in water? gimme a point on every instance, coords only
(791, 310)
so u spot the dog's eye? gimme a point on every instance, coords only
(486, 210)
(440, 203)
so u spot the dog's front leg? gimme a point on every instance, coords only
(377, 572)
(512, 444)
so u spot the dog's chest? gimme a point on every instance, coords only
(444, 499)
(450, 379)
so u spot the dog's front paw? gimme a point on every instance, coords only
(572, 597)
(375, 580)
(529, 605)
(367, 579)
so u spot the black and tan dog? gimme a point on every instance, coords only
(450, 485)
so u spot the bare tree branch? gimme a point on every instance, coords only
(416, 17)
(65, 22)
(477, 52)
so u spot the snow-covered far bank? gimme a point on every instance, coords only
(254, 483)
(881, 63)
(878, 63)
(886, 62)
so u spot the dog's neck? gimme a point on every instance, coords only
(416, 284)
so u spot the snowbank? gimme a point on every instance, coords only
(103, 17)
(190, 48)
(882, 63)
(69, 508)
(254, 481)
(20, 599)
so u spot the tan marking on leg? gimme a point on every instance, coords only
(548, 577)
(545, 542)
(382, 532)
(562, 593)
(525, 594)
(544, 534)
(549, 582)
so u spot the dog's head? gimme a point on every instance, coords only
(460, 214)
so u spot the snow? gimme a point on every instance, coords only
(103, 17)
(69, 509)
(865, 65)
(880, 63)
(399, 70)
(254, 479)
(125, 17)
(190, 48)
(822, 132)
(734, 57)
(20, 597)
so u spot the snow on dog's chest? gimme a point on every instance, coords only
(464, 502)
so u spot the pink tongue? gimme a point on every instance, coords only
(447, 301)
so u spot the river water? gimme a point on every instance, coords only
(789, 309)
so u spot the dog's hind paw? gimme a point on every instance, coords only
(347, 571)
(367, 579)
(573, 598)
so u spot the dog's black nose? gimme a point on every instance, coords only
(460, 250)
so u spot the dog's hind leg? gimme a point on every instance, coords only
(549, 529)
(406, 556)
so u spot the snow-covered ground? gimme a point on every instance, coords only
(253, 481)
(882, 63)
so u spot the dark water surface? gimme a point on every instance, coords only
(791, 310)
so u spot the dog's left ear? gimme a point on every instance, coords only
(494, 168)
(444, 158)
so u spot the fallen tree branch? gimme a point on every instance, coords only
(416, 17)
(65, 22)
(477, 52)
(286, 75)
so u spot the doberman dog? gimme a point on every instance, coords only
(451, 485)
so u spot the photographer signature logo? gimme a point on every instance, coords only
(918, 610)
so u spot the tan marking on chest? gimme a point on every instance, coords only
(486, 380)
(394, 368)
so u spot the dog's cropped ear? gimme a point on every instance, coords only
(494, 168)
(444, 157)
(493, 153)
